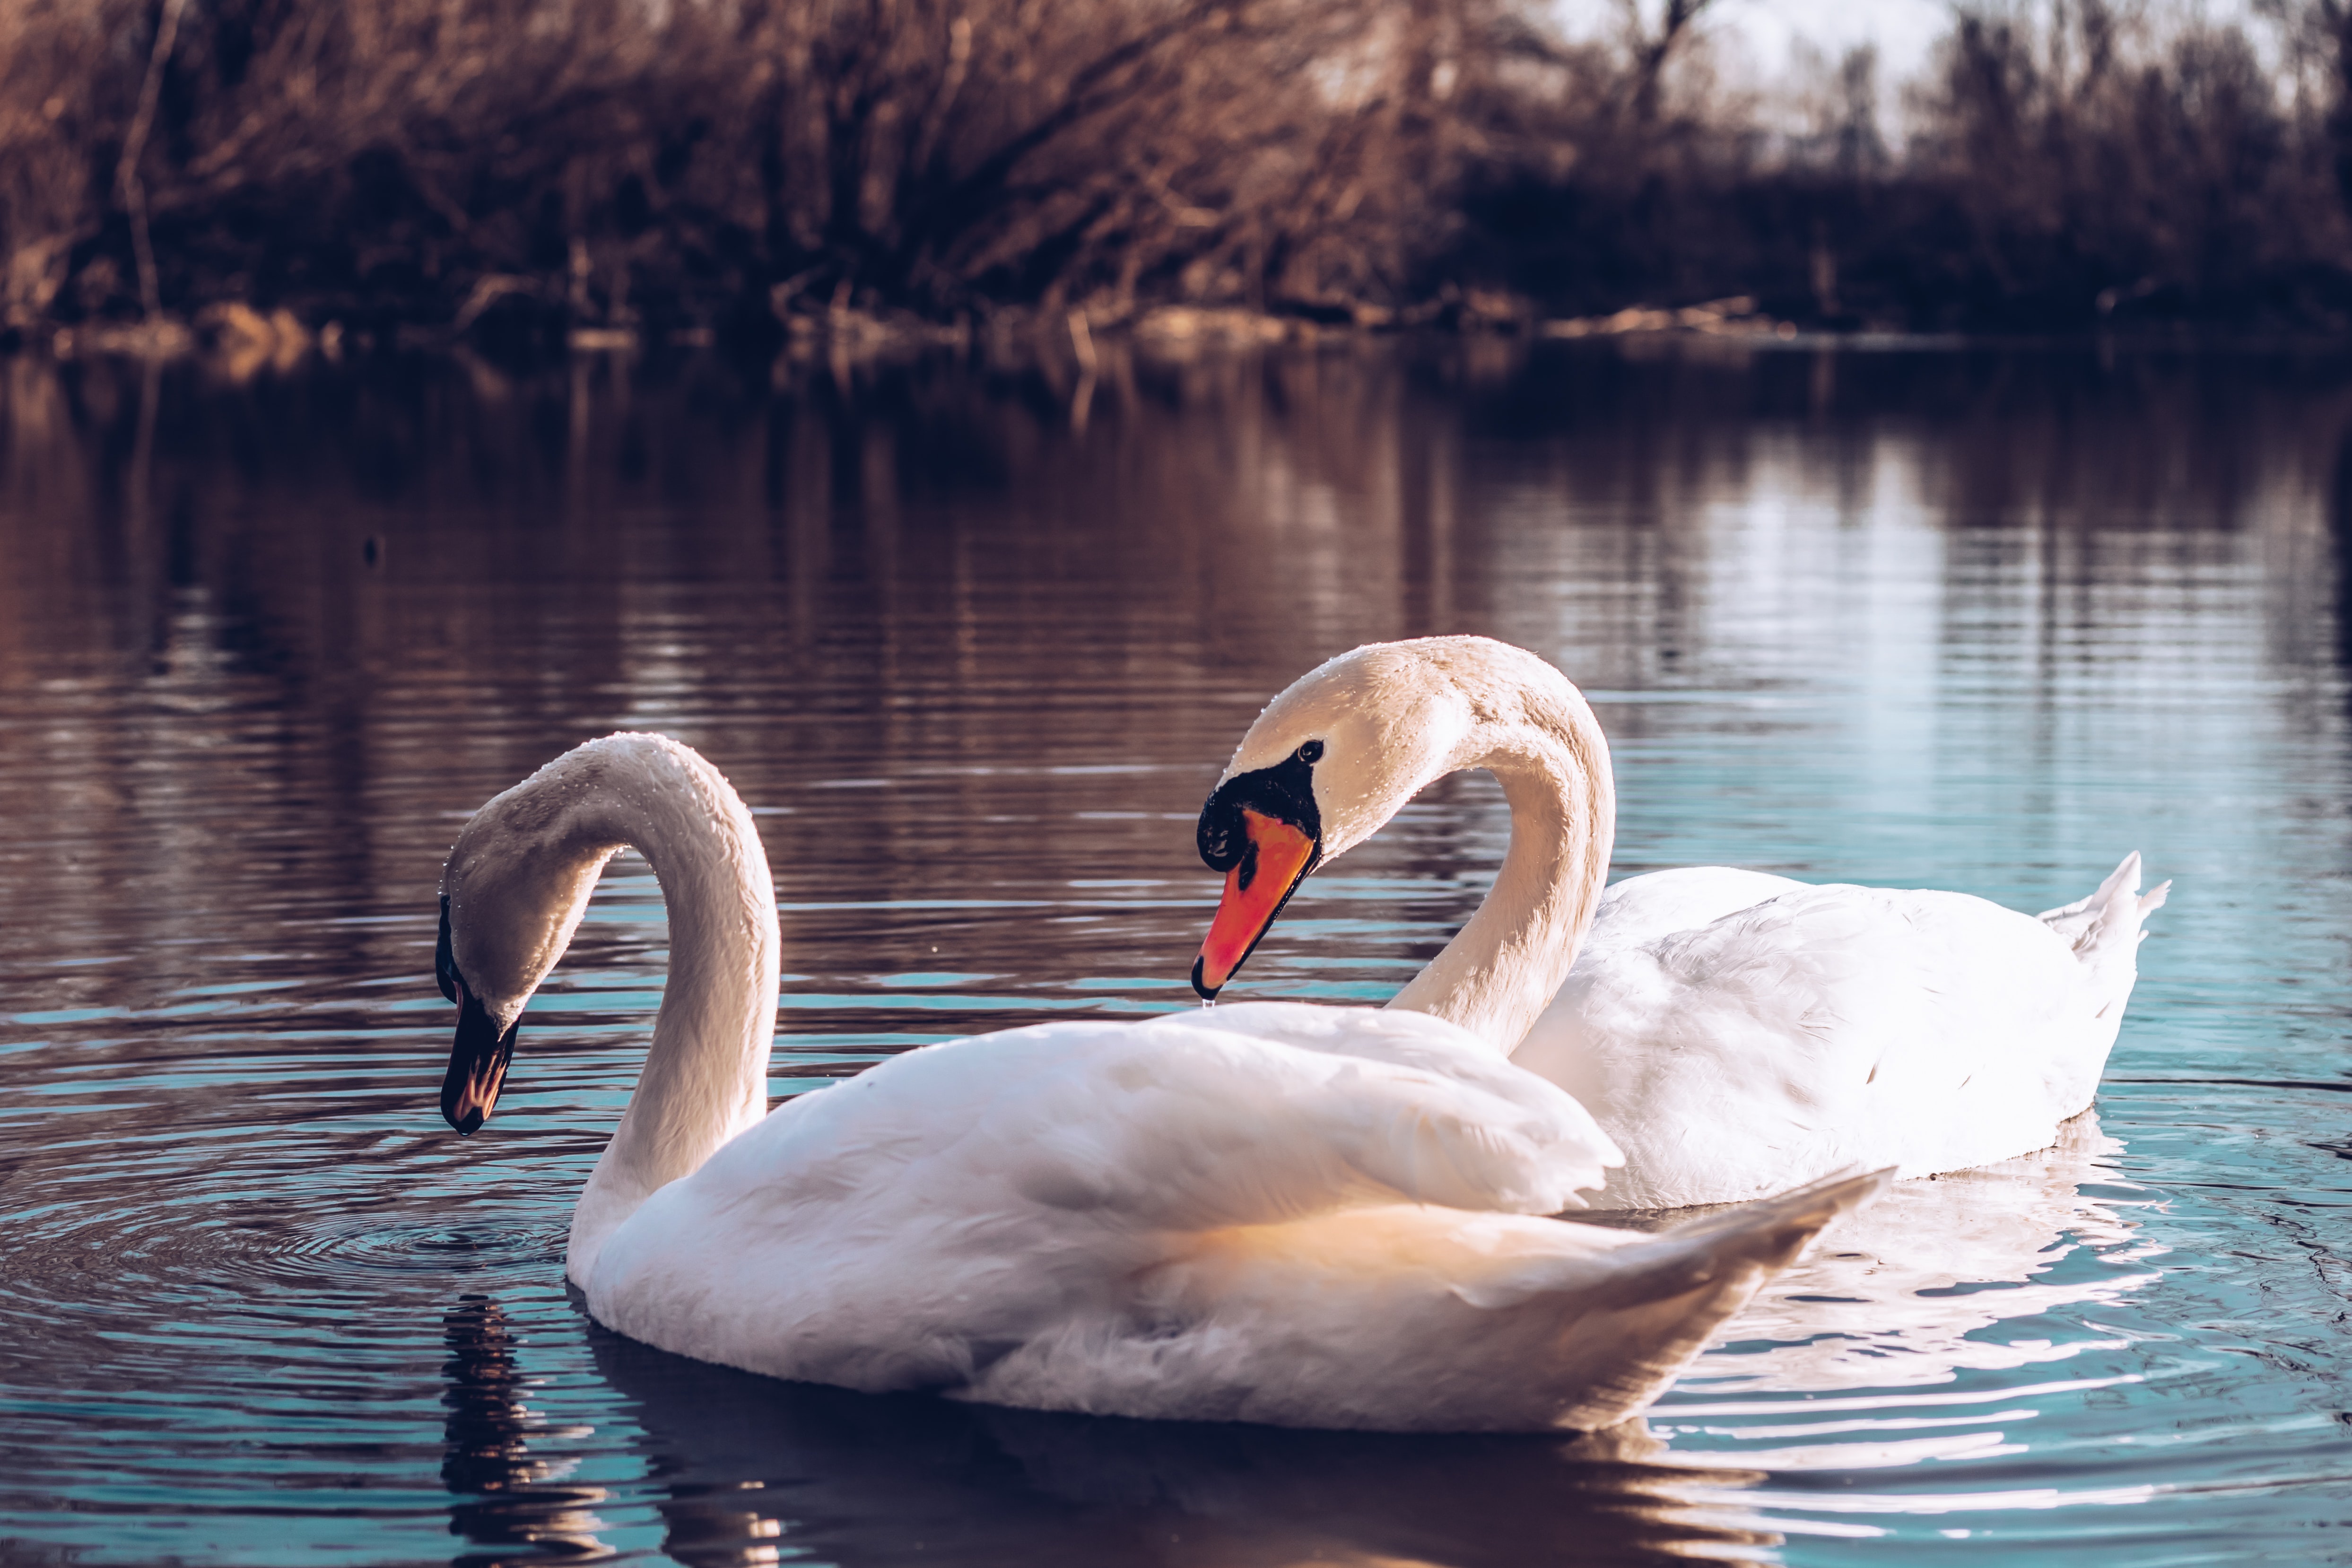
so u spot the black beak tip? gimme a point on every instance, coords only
(1207, 992)
(478, 1068)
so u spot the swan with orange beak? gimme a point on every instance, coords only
(1737, 1032)
(1262, 830)
(1335, 755)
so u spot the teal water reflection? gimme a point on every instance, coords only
(1972, 620)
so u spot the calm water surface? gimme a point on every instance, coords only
(1983, 621)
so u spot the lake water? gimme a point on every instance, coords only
(974, 640)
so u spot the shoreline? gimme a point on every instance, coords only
(241, 342)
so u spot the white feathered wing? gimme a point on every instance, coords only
(1272, 1212)
(1741, 1032)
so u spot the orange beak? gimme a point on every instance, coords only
(1279, 856)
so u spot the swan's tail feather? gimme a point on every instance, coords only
(1760, 1238)
(1766, 1234)
(2106, 929)
(2072, 921)
(1615, 1337)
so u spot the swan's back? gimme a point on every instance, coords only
(1660, 904)
(1824, 1026)
(1305, 1215)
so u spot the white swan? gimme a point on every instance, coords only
(1735, 1033)
(1298, 1216)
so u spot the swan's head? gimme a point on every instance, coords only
(1335, 755)
(512, 892)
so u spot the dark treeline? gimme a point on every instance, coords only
(2069, 163)
(526, 165)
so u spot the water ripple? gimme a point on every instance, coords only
(1848, 617)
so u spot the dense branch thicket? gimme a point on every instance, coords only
(2068, 163)
(694, 155)
(705, 162)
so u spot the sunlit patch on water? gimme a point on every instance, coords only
(1979, 621)
(1968, 1271)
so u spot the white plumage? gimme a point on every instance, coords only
(1736, 1032)
(1301, 1216)
(1822, 1025)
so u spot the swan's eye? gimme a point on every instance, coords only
(1312, 752)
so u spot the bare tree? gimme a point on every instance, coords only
(943, 152)
(2320, 34)
(1652, 46)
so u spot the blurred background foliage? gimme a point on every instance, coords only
(725, 165)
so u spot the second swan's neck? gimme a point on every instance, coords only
(706, 1077)
(1502, 969)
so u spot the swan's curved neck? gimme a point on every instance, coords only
(706, 1077)
(1502, 969)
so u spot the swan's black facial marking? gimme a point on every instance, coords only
(479, 1055)
(1268, 812)
(1285, 792)
(445, 963)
